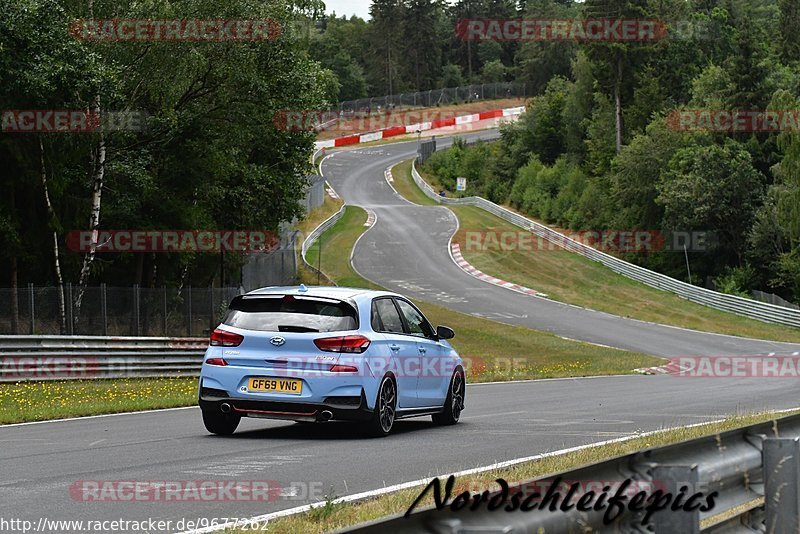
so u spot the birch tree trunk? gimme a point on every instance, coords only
(94, 218)
(52, 215)
(99, 168)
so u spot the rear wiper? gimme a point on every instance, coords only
(299, 329)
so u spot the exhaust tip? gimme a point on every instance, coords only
(225, 407)
(326, 415)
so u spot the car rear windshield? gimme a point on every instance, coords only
(291, 314)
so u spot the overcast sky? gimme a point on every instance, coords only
(349, 7)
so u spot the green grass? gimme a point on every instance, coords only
(336, 245)
(333, 516)
(40, 401)
(405, 185)
(493, 351)
(571, 278)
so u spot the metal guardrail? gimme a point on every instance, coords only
(754, 470)
(315, 235)
(24, 358)
(762, 311)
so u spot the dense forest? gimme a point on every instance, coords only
(208, 157)
(598, 148)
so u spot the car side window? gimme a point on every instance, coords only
(385, 317)
(417, 324)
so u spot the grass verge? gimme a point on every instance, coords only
(41, 401)
(405, 185)
(334, 515)
(571, 278)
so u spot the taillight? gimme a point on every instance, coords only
(357, 344)
(344, 369)
(222, 338)
(217, 361)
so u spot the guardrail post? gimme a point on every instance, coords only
(31, 302)
(104, 307)
(781, 481)
(670, 479)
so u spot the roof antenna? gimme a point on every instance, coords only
(303, 288)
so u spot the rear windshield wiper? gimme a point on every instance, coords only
(300, 329)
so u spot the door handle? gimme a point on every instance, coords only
(394, 348)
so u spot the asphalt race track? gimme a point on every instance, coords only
(405, 251)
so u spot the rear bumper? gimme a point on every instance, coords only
(342, 408)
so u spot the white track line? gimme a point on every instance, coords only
(141, 412)
(424, 481)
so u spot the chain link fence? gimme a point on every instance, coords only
(277, 268)
(137, 311)
(114, 311)
(439, 97)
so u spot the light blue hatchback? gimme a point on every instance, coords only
(329, 353)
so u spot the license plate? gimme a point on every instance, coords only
(276, 385)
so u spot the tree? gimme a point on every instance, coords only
(637, 172)
(537, 62)
(422, 41)
(385, 41)
(211, 157)
(494, 72)
(716, 189)
(615, 60)
(789, 23)
(451, 76)
(546, 115)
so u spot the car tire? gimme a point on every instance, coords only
(454, 404)
(222, 424)
(383, 416)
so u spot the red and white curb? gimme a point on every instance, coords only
(674, 367)
(372, 218)
(671, 368)
(464, 265)
(421, 127)
(332, 193)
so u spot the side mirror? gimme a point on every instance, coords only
(443, 332)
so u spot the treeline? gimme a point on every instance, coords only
(208, 158)
(411, 45)
(601, 147)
